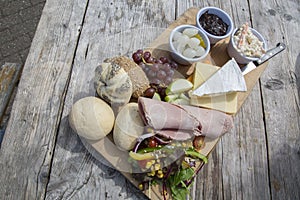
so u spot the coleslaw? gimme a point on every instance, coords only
(247, 43)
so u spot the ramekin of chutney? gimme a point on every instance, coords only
(216, 23)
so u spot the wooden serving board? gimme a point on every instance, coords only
(218, 56)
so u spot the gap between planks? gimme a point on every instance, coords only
(66, 91)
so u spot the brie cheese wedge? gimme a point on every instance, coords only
(225, 102)
(227, 79)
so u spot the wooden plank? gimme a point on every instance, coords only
(9, 75)
(6, 115)
(218, 56)
(230, 173)
(279, 21)
(245, 174)
(110, 29)
(27, 148)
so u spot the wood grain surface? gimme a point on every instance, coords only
(109, 29)
(42, 158)
(31, 134)
(9, 75)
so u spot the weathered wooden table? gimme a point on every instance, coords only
(42, 158)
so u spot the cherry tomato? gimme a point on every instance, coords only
(152, 143)
(198, 142)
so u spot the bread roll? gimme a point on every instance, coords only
(91, 118)
(113, 85)
(137, 76)
(128, 127)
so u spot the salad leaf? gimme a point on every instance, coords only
(148, 149)
(179, 193)
(176, 183)
(195, 154)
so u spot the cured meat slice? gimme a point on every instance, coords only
(175, 134)
(167, 119)
(214, 123)
(162, 115)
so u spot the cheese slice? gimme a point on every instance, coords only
(227, 79)
(226, 102)
(202, 72)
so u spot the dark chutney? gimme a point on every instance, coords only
(213, 24)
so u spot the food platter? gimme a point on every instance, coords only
(105, 149)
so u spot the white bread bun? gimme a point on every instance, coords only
(91, 118)
(128, 127)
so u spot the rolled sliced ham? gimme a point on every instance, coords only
(182, 122)
(175, 134)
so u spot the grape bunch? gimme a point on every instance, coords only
(159, 71)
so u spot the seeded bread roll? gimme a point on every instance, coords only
(113, 85)
(137, 76)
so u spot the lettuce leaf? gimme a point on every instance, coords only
(176, 183)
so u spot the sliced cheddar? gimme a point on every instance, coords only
(202, 72)
(224, 102)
